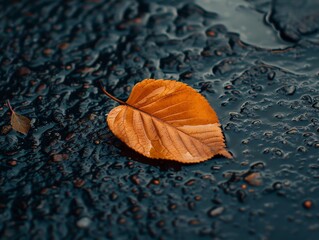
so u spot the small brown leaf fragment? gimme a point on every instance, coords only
(5, 129)
(19, 123)
(254, 179)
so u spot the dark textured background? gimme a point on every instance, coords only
(257, 62)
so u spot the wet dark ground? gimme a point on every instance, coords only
(257, 62)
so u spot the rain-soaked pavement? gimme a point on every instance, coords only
(257, 62)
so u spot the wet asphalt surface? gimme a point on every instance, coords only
(257, 63)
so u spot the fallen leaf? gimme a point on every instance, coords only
(19, 123)
(166, 119)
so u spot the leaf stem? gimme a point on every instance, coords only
(111, 96)
(9, 105)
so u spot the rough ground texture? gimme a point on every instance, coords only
(71, 178)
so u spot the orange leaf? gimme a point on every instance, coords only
(19, 123)
(167, 119)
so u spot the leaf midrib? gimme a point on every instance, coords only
(142, 111)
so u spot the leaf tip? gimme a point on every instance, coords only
(225, 153)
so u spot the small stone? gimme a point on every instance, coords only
(47, 51)
(216, 167)
(288, 90)
(63, 46)
(244, 163)
(277, 186)
(198, 198)
(211, 33)
(113, 196)
(245, 141)
(307, 204)
(190, 182)
(194, 222)
(12, 163)
(41, 88)
(216, 211)
(24, 71)
(254, 179)
(86, 70)
(292, 131)
(68, 67)
(78, 182)
(135, 180)
(156, 181)
(92, 116)
(172, 206)
(60, 157)
(186, 75)
(271, 75)
(83, 222)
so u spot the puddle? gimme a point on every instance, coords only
(240, 17)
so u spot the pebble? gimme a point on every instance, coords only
(60, 157)
(12, 163)
(254, 179)
(190, 182)
(271, 75)
(307, 204)
(216, 211)
(277, 186)
(113, 196)
(63, 46)
(156, 181)
(24, 71)
(5, 129)
(289, 90)
(83, 222)
(78, 182)
(135, 179)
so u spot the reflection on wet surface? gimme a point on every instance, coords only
(241, 17)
